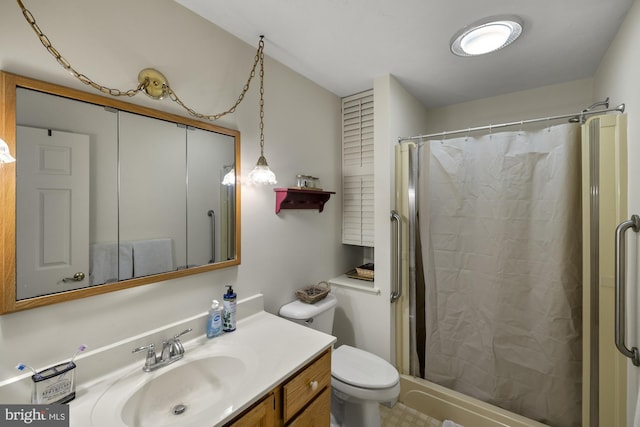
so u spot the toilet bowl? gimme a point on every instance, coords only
(360, 380)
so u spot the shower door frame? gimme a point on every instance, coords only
(604, 195)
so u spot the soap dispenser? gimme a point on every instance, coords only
(214, 320)
(229, 310)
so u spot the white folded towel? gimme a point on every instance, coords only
(125, 261)
(449, 423)
(110, 262)
(152, 256)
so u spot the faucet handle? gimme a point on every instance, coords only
(172, 346)
(176, 336)
(150, 347)
(151, 355)
(176, 346)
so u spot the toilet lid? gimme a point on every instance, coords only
(362, 369)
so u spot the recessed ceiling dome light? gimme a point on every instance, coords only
(487, 35)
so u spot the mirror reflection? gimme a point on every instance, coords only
(105, 195)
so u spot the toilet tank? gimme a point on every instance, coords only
(318, 315)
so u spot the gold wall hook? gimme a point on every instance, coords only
(155, 84)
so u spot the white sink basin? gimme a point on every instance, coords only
(183, 392)
(180, 394)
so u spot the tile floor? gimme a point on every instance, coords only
(403, 416)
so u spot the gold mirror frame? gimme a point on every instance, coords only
(9, 83)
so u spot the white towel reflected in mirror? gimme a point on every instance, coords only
(152, 256)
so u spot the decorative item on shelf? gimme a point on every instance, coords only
(314, 293)
(363, 272)
(307, 182)
(295, 198)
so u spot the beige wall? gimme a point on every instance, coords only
(617, 77)
(111, 42)
(546, 101)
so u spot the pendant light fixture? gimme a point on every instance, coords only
(229, 178)
(486, 36)
(5, 154)
(261, 174)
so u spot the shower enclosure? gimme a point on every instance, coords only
(495, 269)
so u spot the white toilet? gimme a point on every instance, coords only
(360, 380)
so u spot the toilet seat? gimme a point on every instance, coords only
(348, 392)
(359, 368)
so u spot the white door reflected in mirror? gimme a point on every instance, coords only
(52, 221)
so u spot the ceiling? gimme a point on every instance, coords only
(343, 45)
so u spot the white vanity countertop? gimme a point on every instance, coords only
(276, 348)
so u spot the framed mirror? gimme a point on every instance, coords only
(107, 195)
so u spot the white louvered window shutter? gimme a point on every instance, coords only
(357, 170)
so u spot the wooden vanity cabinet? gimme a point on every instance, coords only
(302, 400)
(317, 414)
(261, 414)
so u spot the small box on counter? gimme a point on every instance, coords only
(365, 270)
(55, 384)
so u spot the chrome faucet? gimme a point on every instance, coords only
(172, 350)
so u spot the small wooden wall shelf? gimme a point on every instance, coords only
(293, 198)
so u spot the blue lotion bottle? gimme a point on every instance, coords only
(229, 310)
(214, 320)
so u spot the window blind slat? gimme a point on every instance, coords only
(357, 167)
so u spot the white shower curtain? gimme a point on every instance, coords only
(500, 233)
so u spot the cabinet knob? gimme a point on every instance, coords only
(314, 385)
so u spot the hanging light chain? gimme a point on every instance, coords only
(141, 87)
(66, 65)
(174, 97)
(261, 53)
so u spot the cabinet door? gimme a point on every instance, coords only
(358, 216)
(262, 414)
(358, 169)
(317, 414)
(306, 385)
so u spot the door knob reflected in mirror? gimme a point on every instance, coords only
(78, 277)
